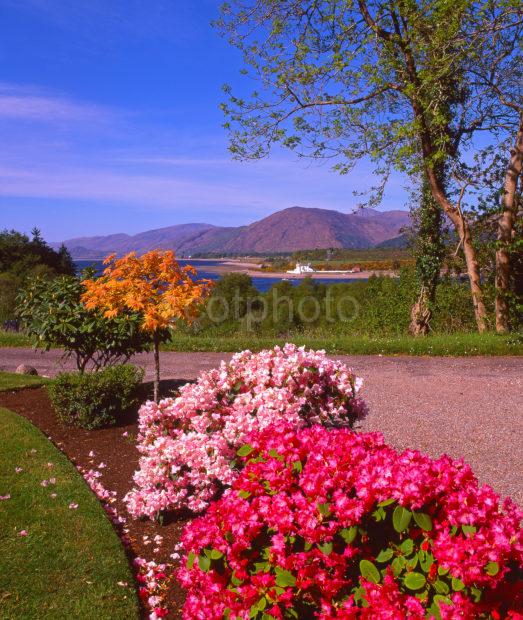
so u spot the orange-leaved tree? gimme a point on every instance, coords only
(154, 285)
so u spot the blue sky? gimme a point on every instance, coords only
(109, 122)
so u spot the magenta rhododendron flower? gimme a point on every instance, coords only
(328, 523)
(188, 444)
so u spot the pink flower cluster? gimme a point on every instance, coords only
(153, 580)
(331, 524)
(188, 444)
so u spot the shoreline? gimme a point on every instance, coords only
(250, 270)
(227, 265)
(361, 275)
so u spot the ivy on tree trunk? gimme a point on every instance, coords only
(429, 252)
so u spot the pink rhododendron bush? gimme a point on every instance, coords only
(188, 444)
(328, 523)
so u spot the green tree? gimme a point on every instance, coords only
(53, 315)
(19, 255)
(352, 79)
(22, 258)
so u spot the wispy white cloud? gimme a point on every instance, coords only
(21, 102)
(153, 191)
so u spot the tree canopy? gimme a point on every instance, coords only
(21, 255)
(152, 285)
(403, 84)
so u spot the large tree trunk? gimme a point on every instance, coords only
(420, 315)
(429, 251)
(505, 231)
(463, 229)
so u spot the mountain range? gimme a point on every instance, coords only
(295, 228)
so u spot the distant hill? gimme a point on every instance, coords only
(400, 242)
(296, 228)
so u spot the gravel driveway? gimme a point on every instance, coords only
(470, 407)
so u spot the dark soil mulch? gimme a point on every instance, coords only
(121, 458)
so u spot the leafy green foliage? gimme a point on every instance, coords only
(379, 306)
(92, 400)
(19, 254)
(20, 258)
(53, 315)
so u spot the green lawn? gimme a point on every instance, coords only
(436, 344)
(439, 344)
(70, 562)
(11, 381)
(12, 339)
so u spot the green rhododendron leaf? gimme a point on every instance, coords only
(387, 502)
(262, 604)
(442, 571)
(441, 587)
(190, 560)
(401, 518)
(297, 466)
(426, 560)
(457, 584)
(423, 520)
(384, 555)
(261, 567)
(284, 578)
(204, 563)
(414, 581)
(407, 546)
(245, 450)
(275, 454)
(244, 494)
(213, 554)
(326, 548)
(324, 509)
(492, 568)
(476, 594)
(442, 599)
(412, 562)
(398, 564)
(235, 581)
(379, 515)
(468, 529)
(369, 571)
(349, 534)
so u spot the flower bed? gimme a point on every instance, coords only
(332, 524)
(188, 444)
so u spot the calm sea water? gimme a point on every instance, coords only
(263, 284)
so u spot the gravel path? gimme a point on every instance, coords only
(470, 407)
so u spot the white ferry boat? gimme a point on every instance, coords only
(302, 268)
(305, 268)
